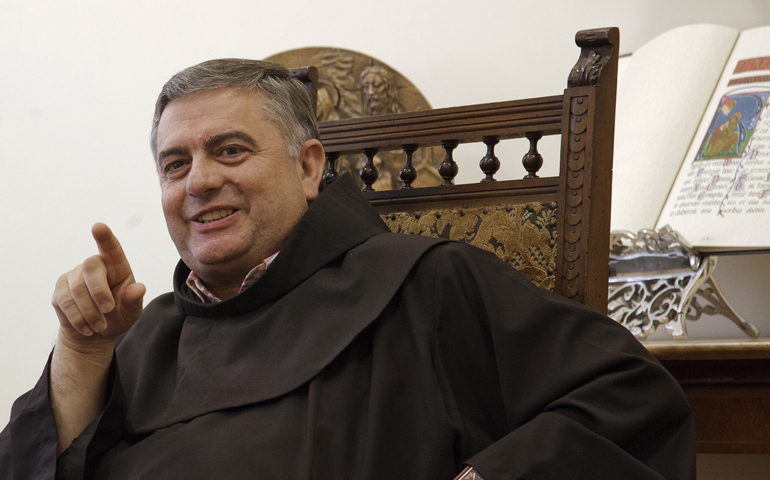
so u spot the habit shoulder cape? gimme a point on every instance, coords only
(362, 354)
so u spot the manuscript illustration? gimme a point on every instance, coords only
(733, 125)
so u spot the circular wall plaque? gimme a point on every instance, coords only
(352, 85)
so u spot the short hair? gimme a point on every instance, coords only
(288, 104)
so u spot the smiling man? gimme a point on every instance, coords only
(281, 354)
(230, 191)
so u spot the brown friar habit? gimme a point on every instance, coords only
(362, 354)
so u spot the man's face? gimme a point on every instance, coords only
(230, 191)
(374, 87)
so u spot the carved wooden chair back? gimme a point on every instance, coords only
(554, 229)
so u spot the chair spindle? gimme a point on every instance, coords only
(532, 160)
(448, 168)
(330, 173)
(489, 163)
(408, 174)
(369, 173)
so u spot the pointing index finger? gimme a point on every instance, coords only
(112, 254)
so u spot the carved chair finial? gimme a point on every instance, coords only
(596, 49)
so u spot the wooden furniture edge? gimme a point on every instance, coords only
(585, 188)
(710, 350)
(728, 386)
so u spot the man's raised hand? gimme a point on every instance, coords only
(99, 299)
(95, 302)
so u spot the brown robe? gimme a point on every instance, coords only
(362, 354)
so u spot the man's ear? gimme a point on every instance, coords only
(311, 161)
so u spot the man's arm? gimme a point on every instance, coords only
(565, 392)
(95, 302)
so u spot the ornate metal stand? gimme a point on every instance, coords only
(656, 279)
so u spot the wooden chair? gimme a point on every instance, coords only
(555, 229)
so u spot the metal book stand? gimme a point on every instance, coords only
(657, 279)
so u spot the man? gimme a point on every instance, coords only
(303, 340)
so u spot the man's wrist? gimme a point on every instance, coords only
(75, 365)
(92, 351)
(468, 474)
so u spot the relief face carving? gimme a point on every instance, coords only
(379, 92)
(352, 85)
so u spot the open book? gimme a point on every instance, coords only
(692, 138)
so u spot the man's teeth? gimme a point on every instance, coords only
(215, 215)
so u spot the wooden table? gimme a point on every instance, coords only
(728, 386)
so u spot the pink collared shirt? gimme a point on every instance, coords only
(205, 295)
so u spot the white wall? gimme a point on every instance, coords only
(78, 81)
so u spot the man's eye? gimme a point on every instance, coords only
(174, 168)
(231, 150)
(176, 164)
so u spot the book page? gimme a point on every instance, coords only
(721, 198)
(662, 96)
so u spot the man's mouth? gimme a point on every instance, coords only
(215, 215)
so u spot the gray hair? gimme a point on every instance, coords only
(288, 105)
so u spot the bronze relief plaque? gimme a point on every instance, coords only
(352, 85)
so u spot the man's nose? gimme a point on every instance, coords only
(204, 177)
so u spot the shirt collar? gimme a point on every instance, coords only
(205, 295)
